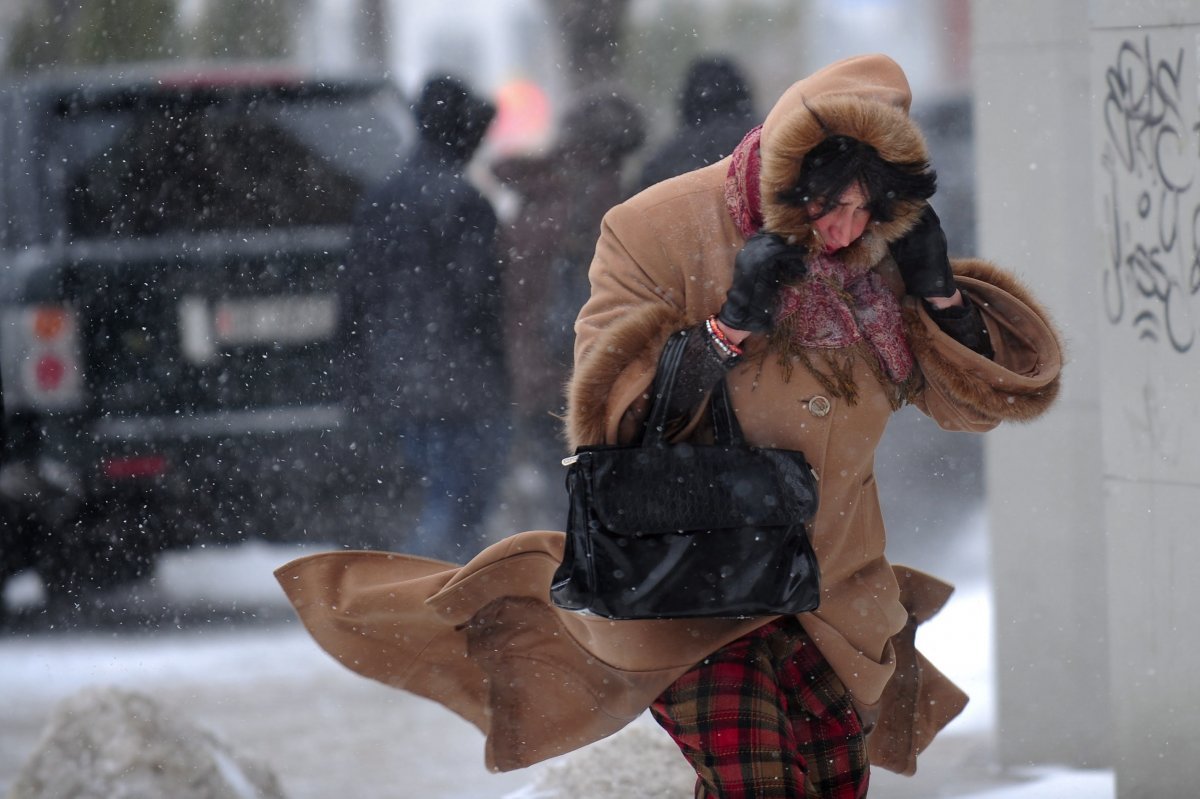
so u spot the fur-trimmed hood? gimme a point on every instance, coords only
(866, 98)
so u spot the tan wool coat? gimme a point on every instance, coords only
(483, 640)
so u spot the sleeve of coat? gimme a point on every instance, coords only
(963, 390)
(636, 303)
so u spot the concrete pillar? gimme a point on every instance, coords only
(1034, 171)
(1145, 77)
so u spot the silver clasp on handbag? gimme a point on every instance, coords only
(569, 460)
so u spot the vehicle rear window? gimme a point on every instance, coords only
(144, 166)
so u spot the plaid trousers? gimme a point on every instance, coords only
(766, 717)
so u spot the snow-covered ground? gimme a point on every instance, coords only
(220, 647)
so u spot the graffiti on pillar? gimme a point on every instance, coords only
(1151, 155)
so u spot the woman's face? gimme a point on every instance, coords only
(845, 222)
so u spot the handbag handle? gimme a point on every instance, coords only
(726, 429)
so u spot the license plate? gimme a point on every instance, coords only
(207, 326)
(271, 320)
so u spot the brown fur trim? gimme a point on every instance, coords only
(637, 337)
(886, 128)
(1006, 281)
(969, 389)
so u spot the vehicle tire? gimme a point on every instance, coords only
(19, 535)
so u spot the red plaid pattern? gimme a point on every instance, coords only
(766, 717)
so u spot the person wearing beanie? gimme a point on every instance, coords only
(716, 108)
(808, 272)
(428, 369)
(451, 120)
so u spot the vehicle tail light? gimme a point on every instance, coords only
(40, 359)
(134, 466)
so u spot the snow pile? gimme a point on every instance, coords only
(111, 743)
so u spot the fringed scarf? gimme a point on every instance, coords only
(833, 308)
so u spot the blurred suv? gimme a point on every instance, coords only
(171, 321)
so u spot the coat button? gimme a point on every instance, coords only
(818, 406)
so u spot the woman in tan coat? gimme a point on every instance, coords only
(538, 681)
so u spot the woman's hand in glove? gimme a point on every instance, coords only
(765, 263)
(923, 260)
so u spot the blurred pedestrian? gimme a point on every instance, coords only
(716, 108)
(546, 249)
(431, 386)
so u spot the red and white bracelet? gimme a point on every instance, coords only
(719, 338)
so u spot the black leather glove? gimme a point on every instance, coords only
(923, 259)
(965, 325)
(764, 264)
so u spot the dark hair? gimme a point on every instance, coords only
(839, 162)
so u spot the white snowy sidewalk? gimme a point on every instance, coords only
(267, 690)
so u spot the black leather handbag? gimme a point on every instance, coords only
(683, 530)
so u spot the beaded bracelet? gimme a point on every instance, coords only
(719, 338)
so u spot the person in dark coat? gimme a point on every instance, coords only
(546, 249)
(431, 387)
(716, 109)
